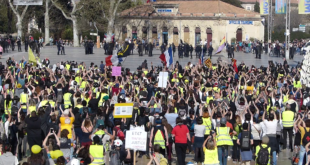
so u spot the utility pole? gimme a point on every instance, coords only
(287, 27)
(270, 22)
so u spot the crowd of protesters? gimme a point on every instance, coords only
(64, 114)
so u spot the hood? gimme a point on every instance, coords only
(291, 101)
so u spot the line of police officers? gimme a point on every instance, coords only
(9, 41)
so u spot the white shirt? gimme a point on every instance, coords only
(255, 131)
(271, 126)
(6, 128)
(262, 125)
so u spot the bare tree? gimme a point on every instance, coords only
(19, 16)
(70, 15)
(47, 21)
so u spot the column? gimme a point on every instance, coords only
(160, 33)
(139, 32)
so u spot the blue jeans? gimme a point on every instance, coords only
(274, 157)
(302, 153)
(222, 154)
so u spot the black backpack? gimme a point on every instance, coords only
(263, 156)
(245, 140)
(306, 138)
(14, 108)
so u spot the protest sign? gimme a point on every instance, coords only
(136, 140)
(123, 110)
(116, 70)
(162, 79)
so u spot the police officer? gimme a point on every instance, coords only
(140, 48)
(150, 49)
(19, 44)
(288, 123)
(26, 44)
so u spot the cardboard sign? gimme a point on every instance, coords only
(123, 110)
(162, 79)
(136, 140)
(116, 70)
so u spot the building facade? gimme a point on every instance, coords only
(190, 21)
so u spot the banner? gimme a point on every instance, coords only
(27, 2)
(208, 63)
(304, 7)
(280, 7)
(264, 7)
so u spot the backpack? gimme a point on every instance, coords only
(245, 140)
(120, 134)
(114, 158)
(306, 138)
(100, 121)
(263, 156)
(14, 108)
(182, 114)
(59, 96)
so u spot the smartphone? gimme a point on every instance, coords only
(52, 130)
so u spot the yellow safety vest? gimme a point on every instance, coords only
(83, 84)
(208, 124)
(52, 103)
(68, 66)
(101, 99)
(238, 129)
(159, 138)
(7, 108)
(145, 72)
(96, 151)
(211, 157)
(67, 100)
(209, 99)
(79, 106)
(297, 84)
(78, 80)
(21, 65)
(87, 100)
(32, 108)
(223, 137)
(43, 103)
(23, 100)
(285, 98)
(288, 118)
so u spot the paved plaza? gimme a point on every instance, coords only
(133, 61)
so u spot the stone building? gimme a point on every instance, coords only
(189, 21)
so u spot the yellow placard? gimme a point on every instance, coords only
(123, 110)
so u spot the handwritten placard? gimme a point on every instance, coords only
(136, 140)
(116, 70)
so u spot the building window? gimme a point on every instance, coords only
(248, 8)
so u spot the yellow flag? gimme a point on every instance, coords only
(208, 63)
(31, 57)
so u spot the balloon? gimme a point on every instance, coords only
(56, 154)
(35, 149)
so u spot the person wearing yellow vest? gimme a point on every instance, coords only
(159, 135)
(24, 98)
(288, 123)
(43, 102)
(206, 121)
(97, 152)
(68, 99)
(210, 151)
(223, 141)
(7, 104)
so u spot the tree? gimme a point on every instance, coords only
(69, 12)
(19, 16)
(47, 22)
(256, 7)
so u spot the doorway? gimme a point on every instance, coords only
(197, 36)
(134, 32)
(176, 36)
(186, 35)
(165, 35)
(239, 35)
(209, 36)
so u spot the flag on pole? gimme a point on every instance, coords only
(168, 56)
(222, 45)
(208, 63)
(31, 57)
(112, 59)
(163, 59)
